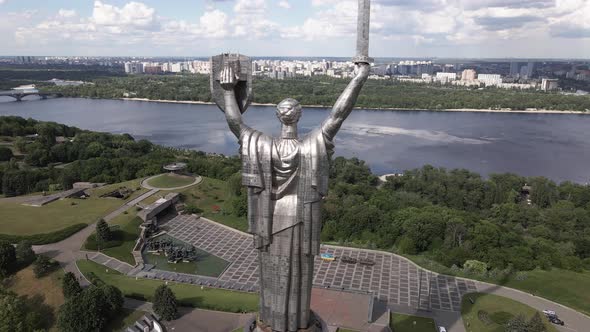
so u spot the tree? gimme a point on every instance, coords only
(103, 232)
(86, 312)
(7, 258)
(536, 324)
(113, 299)
(70, 285)
(165, 304)
(43, 265)
(24, 253)
(12, 312)
(517, 324)
(5, 153)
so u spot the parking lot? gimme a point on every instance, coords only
(392, 278)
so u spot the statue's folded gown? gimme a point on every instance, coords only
(287, 179)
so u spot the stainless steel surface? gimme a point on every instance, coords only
(363, 31)
(287, 178)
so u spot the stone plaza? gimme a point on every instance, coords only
(392, 279)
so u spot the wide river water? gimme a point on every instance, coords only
(553, 145)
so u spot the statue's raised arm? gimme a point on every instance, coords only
(347, 99)
(233, 115)
(231, 88)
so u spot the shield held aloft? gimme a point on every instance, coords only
(242, 66)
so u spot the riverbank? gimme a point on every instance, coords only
(531, 111)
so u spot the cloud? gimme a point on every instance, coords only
(133, 14)
(284, 4)
(66, 13)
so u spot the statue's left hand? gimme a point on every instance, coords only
(228, 79)
(362, 69)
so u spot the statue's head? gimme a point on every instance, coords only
(289, 111)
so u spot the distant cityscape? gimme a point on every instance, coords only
(507, 74)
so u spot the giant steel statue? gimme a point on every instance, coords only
(287, 178)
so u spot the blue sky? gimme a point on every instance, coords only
(400, 28)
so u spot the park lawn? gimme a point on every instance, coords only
(125, 318)
(171, 181)
(405, 323)
(45, 293)
(211, 193)
(499, 309)
(17, 219)
(124, 218)
(563, 286)
(188, 295)
(124, 238)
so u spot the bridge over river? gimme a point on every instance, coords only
(18, 95)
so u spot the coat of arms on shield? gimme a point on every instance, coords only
(242, 67)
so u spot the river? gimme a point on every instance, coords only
(551, 145)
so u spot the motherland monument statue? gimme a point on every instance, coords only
(286, 178)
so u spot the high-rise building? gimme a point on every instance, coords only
(468, 75)
(133, 68)
(514, 69)
(490, 79)
(445, 77)
(548, 84)
(530, 70)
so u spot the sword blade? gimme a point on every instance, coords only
(364, 22)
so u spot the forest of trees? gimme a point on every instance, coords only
(323, 90)
(90, 156)
(455, 216)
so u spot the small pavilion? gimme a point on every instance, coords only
(176, 168)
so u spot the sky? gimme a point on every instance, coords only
(399, 28)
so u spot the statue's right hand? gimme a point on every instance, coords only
(228, 79)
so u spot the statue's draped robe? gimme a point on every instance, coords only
(287, 180)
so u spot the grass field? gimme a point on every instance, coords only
(188, 295)
(45, 293)
(132, 184)
(17, 219)
(171, 181)
(124, 237)
(566, 287)
(205, 265)
(490, 313)
(126, 317)
(211, 193)
(405, 323)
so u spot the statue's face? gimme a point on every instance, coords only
(289, 111)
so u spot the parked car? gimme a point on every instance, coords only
(441, 329)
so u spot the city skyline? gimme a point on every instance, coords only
(425, 28)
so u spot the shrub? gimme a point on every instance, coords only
(45, 238)
(7, 258)
(24, 253)
(192, 209)
(43, 266)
